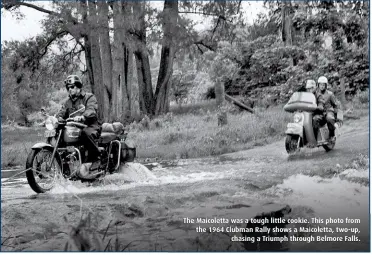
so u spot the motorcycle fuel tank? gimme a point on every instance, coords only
(71, 134)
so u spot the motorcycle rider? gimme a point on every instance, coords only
(330, 104)
(89, 117)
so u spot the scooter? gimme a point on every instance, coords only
(301, 132)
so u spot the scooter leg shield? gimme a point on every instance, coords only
(309, 129)
(294, 129)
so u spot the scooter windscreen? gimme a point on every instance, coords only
(301, 101)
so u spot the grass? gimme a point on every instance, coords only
(16, 143)
(188, 131)
(360, 164)
(191, 135)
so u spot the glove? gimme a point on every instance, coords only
(79, 118)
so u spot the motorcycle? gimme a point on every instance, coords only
(64, 155)
(301, 132)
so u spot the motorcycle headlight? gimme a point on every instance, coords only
(297, 117)
(51, 123)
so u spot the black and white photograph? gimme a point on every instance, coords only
(185, 126)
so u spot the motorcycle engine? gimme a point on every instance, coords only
(73, 162)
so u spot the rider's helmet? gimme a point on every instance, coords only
(324, 80)
(75, 80)
(310, 84)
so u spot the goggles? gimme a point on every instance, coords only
(70, 86)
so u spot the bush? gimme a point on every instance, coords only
(362, 97)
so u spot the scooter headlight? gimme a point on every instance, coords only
(297, 117)
(51, 123)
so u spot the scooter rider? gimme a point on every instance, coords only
(318, 113)
(310, 86)
(330, 104)
(89, 117)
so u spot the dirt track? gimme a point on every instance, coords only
(148, 216)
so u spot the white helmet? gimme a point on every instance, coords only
(310, 84)
(322, 79)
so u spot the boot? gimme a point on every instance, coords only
(332, 136)
(96, 164)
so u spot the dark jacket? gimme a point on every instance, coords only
(91, 108)
(329, 99)
(320, 102)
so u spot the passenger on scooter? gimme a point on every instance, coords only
(89, 117)
(330, 105)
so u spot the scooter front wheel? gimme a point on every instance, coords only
(292, 143)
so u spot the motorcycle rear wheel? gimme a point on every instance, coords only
(38, 176)
(291, 143)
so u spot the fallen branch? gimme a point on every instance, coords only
(238, 103)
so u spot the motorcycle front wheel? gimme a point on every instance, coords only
(40, 176)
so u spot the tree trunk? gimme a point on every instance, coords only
(286, 25)
(170, 16)
(134, 95)
(343, 97)
(87, 44)
(128, 60)
(118, 62)
(127, 91)
(144, 82)
(104, 39)
(88, 61)
(97, 87)
(220, 93)
(146, 95)
(220, 101)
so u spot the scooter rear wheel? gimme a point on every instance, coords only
(328, 147)
(292, 143)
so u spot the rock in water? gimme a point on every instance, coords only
(135, 172)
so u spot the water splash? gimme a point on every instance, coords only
(135, 172)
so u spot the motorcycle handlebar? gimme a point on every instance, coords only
(64, 121)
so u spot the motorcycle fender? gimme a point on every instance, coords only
(41, 145)
(295, 129)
